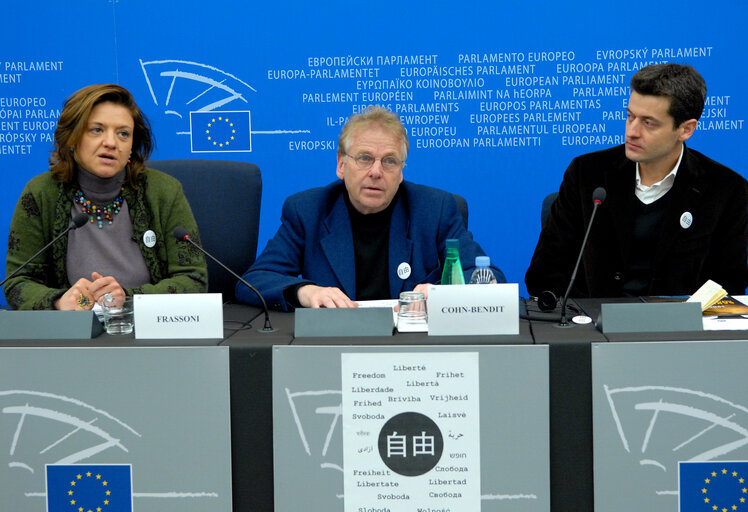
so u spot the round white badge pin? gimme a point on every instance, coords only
(403, 271)
(686, 220)
(149, 238)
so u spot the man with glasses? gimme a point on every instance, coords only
(370, 236)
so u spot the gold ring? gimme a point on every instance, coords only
(83, 302)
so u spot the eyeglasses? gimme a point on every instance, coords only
(365, 162)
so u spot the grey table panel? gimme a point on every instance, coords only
(513, 425)
(165, 410)
(655, 404)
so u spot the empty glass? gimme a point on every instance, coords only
(118, 314)
(411, 313)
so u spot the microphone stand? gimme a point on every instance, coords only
(564, 323)
(77, 221)
(267, 327)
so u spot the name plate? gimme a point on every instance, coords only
(342, 322)
(650, 317)
(178, 315)
(52, 325)
(473, 309)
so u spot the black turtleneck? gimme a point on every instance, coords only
(371, 243)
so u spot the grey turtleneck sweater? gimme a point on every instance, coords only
(111, 250)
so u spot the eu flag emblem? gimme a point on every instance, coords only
(713, 486)
(89, 488)
(220, 132)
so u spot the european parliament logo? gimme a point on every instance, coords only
(713, 486)
(89, 488)
(220, 132)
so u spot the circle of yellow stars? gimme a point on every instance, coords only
(738, 480)
(79, 478)
(226, 122)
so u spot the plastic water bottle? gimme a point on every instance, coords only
(452, 273)
(482, 273)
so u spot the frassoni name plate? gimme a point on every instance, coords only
(478, 309)
(186, 315)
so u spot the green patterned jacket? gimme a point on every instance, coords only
(43, 211)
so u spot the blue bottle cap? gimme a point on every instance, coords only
(482, 261)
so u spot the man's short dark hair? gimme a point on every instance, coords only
(682, 84)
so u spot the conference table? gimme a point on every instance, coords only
(570, 382)
(570, 388)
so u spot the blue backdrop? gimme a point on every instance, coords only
(498, 97)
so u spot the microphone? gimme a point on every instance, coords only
(77, 221)
(183, 235)
(598, 196)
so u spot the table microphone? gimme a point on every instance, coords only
(598, 196)
(77, 221)
(182, 234)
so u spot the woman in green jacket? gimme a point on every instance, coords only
(97, 167)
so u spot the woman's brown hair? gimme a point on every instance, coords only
(73, 122)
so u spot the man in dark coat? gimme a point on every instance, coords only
(673, 218)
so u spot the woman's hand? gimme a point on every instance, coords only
(102, 285)
(78, 297)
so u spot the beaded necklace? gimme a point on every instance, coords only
(108, 211)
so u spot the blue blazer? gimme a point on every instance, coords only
(315, 242)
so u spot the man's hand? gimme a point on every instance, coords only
(313, 296)
(423, 287)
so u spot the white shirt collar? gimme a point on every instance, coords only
(650, 194)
